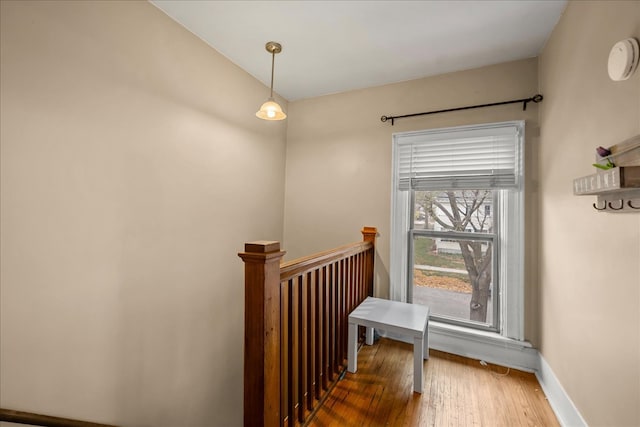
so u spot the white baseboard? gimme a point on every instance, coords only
(506, 352)
(560, 402)
(487, 346)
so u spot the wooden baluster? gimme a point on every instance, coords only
(347, 287)
(262, 374)
(339, 312)
(293, 351)
(356, 285)
(361, 264)
(311, 339)
(354, 282)
(326, 324)
(317, 353)
(360, 279)
(302, 347)
(333, 342)
(350, 285)
(369, 235)
(347, 301)
(286, 333)
(364, 276)
(343, 311)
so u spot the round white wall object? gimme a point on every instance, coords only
(623, 59)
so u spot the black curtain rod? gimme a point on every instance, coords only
(535, 98)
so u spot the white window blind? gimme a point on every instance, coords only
(486, 157)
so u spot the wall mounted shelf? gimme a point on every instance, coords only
(617, 189)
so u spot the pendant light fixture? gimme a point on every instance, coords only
(271, 110)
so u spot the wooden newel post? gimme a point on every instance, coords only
(369, 235)
(262, 333)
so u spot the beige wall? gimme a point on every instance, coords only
(338, 175)
(133, 169)
(589, 261)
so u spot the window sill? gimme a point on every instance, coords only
(476, 335)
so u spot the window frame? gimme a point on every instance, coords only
(509, 208)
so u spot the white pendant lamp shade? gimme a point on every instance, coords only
(271, 110)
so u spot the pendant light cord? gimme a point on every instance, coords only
(273, 60)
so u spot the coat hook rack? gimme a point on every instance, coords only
(616, 205)
(617, 187)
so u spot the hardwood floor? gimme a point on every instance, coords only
(457, 392)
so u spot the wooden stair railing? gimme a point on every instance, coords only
(32, 419)
(295, 343)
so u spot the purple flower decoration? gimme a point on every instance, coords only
(603, 152)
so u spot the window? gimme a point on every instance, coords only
(457, 224)
(453, 255)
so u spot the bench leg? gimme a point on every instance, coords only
(352, 348)
(426, 341)
(368, 338)
(418, 357)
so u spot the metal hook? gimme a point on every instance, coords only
(600, 209)
(617, 209)
(631, 206)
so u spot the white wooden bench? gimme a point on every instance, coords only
(399, 318)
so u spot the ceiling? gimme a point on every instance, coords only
(336, 46)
